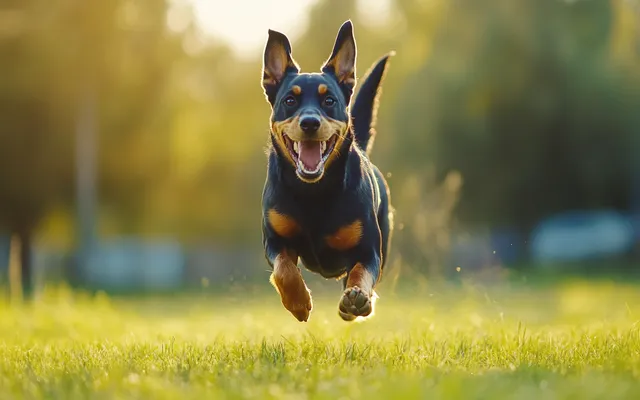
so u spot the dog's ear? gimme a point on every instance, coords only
(277, 63)
(342, 62)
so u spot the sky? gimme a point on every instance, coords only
(244, 23)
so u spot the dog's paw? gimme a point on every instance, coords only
(297, 300)
(354, 303)
(294, 294)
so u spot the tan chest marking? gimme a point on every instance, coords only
(283, 225)
(345, 238)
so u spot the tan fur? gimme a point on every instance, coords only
(297, 90)
(340, 128)
(358, 297)
(275, 67)
(283, 225)
(345, 238)
(280, 127)
(291, 127)
(288, 282)
(328, 128)
(360, 277)
(344, 70)
(322, 89)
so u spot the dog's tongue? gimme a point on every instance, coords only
(310, 154)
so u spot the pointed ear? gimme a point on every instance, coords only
(277, 63)
(342, 62)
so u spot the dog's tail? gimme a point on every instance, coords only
(365, 105)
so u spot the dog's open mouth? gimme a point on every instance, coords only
(310, 155)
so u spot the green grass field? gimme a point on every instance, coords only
(569, 341)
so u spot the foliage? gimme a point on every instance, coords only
(533, 103)
(536, 113)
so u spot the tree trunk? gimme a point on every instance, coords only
(26, 262)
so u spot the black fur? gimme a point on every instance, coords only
(365, 106)
(344, 42)
(350, 187)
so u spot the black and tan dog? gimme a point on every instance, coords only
(323, 201)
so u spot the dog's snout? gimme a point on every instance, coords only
(310, 124)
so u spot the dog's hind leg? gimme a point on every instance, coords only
(287, 279)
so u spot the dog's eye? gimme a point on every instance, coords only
(329, 101)
(290, 101)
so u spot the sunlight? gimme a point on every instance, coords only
(244, 23)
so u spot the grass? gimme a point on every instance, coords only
(567, 341)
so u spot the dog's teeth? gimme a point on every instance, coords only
(295, 147)
(323, 147)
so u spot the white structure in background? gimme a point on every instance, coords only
(576, 236)
(136, 264)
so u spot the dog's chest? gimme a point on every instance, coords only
(325, 244)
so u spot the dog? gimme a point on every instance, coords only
(324, 202)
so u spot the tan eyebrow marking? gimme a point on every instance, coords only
(322, 88)
(296, 90)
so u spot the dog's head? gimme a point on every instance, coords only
(310, 111)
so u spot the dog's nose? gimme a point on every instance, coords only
(309, 124)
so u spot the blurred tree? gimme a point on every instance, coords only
(62, 55)
(33, 150)
(531, 110)
(533, 102)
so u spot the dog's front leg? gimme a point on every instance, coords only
(287, 279)
(359, 295)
